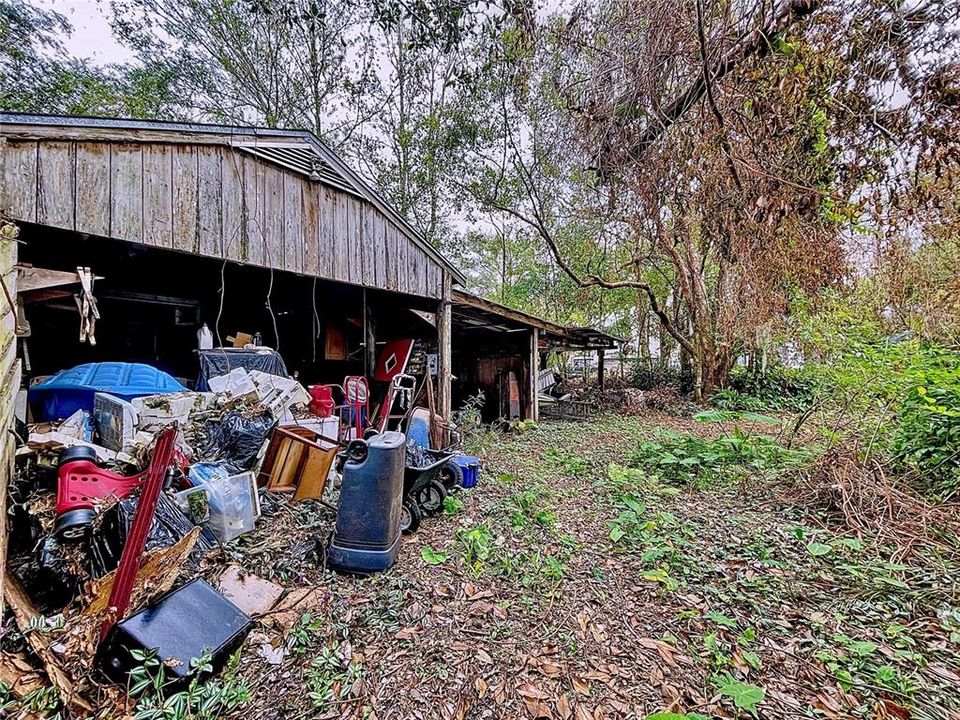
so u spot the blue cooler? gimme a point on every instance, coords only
(470, 466)
(367, 535)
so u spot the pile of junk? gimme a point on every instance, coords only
(128, 483)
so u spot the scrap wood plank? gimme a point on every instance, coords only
(34, 278)
(156, 575)
(19, 675)
(249, 592)
(24, 613)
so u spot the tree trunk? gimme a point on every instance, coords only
(643, 329)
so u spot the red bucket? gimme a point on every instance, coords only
(322, 403)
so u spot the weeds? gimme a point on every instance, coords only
(525, 507)
(452, 505)
(303, 635)
(476, 546)
(658, 537)
(688, 460)
(331, 677)
(571, 463)
(202, 700)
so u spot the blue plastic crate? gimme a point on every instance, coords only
(471, 469)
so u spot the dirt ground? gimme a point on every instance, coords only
(560, 589)
(568, 585)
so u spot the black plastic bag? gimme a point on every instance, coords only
(111, 528)
(236, 440)
(54, 577)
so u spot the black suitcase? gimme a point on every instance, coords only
(184, 624)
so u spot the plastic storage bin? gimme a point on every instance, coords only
(228, 506)
(470, 466)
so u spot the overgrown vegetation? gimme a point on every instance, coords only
(203, 699)
(774, 389)
(680, 459)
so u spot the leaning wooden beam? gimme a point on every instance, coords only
(9, 377)
(25, 614)
(444, 349)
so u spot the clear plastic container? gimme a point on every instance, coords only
(228, 506)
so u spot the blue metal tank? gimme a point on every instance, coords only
(367, 536)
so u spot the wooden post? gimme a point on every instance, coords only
(444, 350)
(600, 363)
(9, 377)
(534, 374)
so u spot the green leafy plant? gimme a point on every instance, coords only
(331, 678)
(777, 388)
(204, 699)
(660, 538)
(571, 463)
(926, 441)
(818, 549)
(452, 505)
(431, 556)
(744, 695)
(476, 545)
(303, 635)
(687, 459)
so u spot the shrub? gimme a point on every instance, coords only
(926, 441)
(650, 377)
(779, 388)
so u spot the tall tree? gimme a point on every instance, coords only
(293, 63)
(428, 105)
(37, 75)
(721, 148)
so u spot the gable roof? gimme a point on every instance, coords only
(477, 311)
(300, 151)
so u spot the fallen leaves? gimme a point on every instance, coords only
(531, 691)
(581, 686)
(665, 650)
(407, 633)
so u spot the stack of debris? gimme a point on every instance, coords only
(120, 507)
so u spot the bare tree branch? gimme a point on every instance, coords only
(781, 15)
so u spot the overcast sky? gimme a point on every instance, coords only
(91, 29)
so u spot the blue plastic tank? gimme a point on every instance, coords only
(367, 535)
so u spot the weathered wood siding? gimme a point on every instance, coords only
(9, 384)
(216, 201)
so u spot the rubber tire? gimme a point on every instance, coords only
(73, 525)
(410, 517)
(78, 452)
(430, 498)
(357, 451)
(451, 475)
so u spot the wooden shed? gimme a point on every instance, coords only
(270, 223)
(499, 351)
